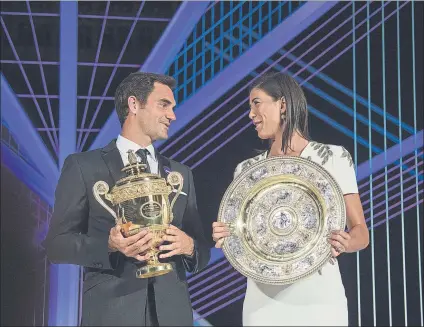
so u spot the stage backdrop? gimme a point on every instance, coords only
(360, 64)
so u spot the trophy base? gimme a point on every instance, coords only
(154, 270)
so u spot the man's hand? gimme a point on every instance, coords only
(180, 243)
(134, 246)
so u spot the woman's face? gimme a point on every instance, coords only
(265, 114)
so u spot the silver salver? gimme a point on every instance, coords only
(281, 211)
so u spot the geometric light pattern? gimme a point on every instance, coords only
(386, 139)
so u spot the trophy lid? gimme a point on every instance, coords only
(136, 170)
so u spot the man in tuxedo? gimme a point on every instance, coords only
(83, 233)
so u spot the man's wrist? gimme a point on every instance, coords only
(111, 248)
(191, 253)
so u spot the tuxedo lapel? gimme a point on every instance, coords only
(113, 160)
(164, 165)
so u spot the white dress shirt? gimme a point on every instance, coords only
(124, 145)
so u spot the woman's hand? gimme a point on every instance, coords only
(357, 237)
(339, 241)
(220, 231)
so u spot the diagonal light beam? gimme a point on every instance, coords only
(56, 63)
(271, 66)
(391, 155)
(33, 14)
(332, 100)
(112, 75)
(382, 202)
(43, 77)
(161, 56)
(309, 86)
(25, 133)
(170, 143)
(15, 53)
(28, 175)
(93, 73)
(340, 87)
(301, 19)
(317, 113)
(386, 173)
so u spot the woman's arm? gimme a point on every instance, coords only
(356, 224)
(357, 237)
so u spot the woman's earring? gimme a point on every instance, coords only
(283, 114)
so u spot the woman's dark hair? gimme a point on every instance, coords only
(139, 85)
(278, 85)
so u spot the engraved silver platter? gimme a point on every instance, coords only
(280, 211)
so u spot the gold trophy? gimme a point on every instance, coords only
(141, 200)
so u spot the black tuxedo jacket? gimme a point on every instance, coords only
(79, 232)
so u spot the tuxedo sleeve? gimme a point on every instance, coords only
(192, 225)
(67, 241)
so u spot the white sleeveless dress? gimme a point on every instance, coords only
(318, 300)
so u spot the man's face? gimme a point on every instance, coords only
(157, 114)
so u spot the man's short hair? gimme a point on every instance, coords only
(139, 85)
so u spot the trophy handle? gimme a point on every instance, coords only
(174, 178)
(121, 215)
(102, 188)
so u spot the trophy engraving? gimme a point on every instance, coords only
(151, 210)
(141, 200)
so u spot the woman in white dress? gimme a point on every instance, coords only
(279, 113)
